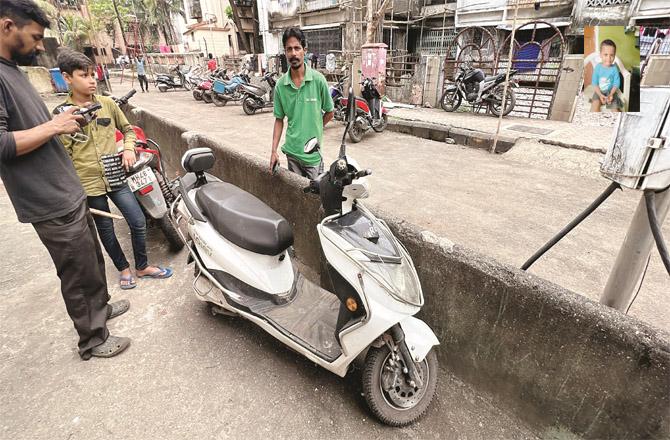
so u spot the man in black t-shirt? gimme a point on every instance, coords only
(42, 184)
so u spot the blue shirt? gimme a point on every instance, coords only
(605, 78)
(140, 67)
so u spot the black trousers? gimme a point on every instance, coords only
(74, 248)
(144, 83)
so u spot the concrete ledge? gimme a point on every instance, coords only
(562, 361)
(462, 136)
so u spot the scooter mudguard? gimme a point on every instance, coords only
(450, 88)
(419, 337)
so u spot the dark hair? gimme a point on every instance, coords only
(608, 42)
(23, 12)
(295, 33)
(70, 60)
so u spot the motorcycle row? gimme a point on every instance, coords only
(243, 258)
(220, 88)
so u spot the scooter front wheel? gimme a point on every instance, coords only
(248, 106)
(388, 395)
(381, 126)
(218, 101)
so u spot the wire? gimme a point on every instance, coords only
(563, 232)
(639, 287)
(650, 198)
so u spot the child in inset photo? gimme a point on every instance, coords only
(611, 69)
(606, 80)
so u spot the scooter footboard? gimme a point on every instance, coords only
(418, 337)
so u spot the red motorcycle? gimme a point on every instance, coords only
(370, 111)
(148, 180)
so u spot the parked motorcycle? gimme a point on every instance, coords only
(203, 90)
(478, 89)
(165, 82)
(370, 111)
(148, 180)
(257, 97)
(243, 266)
(337, 93)
(225, 91)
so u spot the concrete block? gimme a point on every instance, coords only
(562, 361)
(40, 78)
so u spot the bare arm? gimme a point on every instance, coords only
(276, 137)
(327, 117)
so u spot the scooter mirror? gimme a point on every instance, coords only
(312, 146)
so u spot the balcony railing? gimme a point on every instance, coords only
(543, 3)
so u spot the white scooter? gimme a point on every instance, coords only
(241, 248)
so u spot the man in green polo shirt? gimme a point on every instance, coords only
(302, 96)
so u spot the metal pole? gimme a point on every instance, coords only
(626, 276)
(509, 67)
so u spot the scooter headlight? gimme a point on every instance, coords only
(400, 279)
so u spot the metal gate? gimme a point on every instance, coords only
(537, 55)
(475, 46)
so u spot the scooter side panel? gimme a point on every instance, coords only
(267, 273)
(153, 202)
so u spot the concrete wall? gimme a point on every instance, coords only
(40, 78)
(562, 361)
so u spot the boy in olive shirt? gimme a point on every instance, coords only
(301, 95)
(98, 166)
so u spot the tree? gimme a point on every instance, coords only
(238, 25)
(105, 15)
(374, 18)
(75, 30)
(159, 14)
(229, 12)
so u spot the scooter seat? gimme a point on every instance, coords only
(243, 219)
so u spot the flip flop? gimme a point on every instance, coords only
(111, 347)
(131, 282)
(165, 272)
(118, 308)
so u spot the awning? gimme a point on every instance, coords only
(558, 23)
(320, 26)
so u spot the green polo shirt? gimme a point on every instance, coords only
(303, 106)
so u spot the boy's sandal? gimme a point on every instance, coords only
(118, 308)
(131, 284)
(164, 272)
(111, 347)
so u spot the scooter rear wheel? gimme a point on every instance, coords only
(162, 88)
(388, 395)
(207, 98)
(356, 132)
(171, 234)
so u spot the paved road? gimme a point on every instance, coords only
(505, 206)
(187, 374)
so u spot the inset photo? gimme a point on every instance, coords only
(612, 68)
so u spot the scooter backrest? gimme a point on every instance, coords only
(197, 160)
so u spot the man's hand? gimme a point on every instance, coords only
(128, 159)
(274, 158)
(67, 122)
(603, 99)
(610, 98)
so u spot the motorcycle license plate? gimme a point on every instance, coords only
(140, 179)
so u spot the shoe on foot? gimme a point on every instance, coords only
(118, 308)
(111, 347)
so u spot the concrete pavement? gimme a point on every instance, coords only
(187, 374)
(504, 206)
